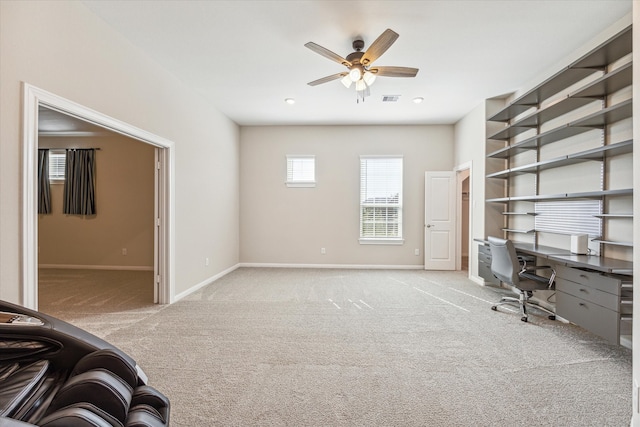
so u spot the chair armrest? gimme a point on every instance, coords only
(540, 267)
(552, 278)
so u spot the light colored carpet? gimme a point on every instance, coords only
(307, 347)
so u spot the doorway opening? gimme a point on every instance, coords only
(163, 260)
(463, 197)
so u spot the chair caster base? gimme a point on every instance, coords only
(494, 308)
(524, 319)
(552, 317)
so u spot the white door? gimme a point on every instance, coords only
(440, 221)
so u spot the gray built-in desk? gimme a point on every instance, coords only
(596, 263)
(539, 250)
(591, 291)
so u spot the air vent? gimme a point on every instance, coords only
(390, 98)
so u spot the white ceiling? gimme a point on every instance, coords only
(54, 123)
(246, 57)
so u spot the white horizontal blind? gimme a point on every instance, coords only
(569, 217)
(57, 162)
(301, 170)
(380, 197)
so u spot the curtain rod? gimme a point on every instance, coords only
(49, 148)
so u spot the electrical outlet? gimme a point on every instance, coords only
(124, 251)
(417, 252)
(323, 251)
(206, 261)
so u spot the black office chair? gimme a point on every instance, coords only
(514, 271)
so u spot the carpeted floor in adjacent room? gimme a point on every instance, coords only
(321, 347)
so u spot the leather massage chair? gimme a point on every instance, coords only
(53, 374)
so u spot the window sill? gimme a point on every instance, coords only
(300, 184)
(378, 241)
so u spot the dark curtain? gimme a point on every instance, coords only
(79, 183)
(44, 188)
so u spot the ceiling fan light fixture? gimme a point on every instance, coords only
(355, 74)
(346, 81)
(358, 64)
(369, 78)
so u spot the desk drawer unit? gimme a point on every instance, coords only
(593, 317)
(592, 279)
(587, 293)
(484, 265)
(593, 300)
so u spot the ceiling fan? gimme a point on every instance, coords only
(359, 64)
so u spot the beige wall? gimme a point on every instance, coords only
(63, 48)
(284, 225)
(124, 204)
(469, 149)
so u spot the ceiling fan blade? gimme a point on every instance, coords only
(394, 71)
(328, 54)
(379, 46)
(327, 79)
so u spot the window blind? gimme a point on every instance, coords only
(569, 217)
(380, 197)
(57, 161)
(301, 170)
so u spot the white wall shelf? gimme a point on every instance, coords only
(609, 242)
(513, 230)
(595, 154)
(563, 196)
(597, 120)
(608, 83)
(614, 215)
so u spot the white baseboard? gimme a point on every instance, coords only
(204, 283)
(337, 266)
(477, 279)
(97, 267)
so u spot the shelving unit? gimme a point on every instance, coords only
(531, 111)
(591, 95)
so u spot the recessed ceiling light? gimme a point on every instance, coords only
(290, 101)
(418, 100)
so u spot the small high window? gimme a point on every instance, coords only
(301, 171)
